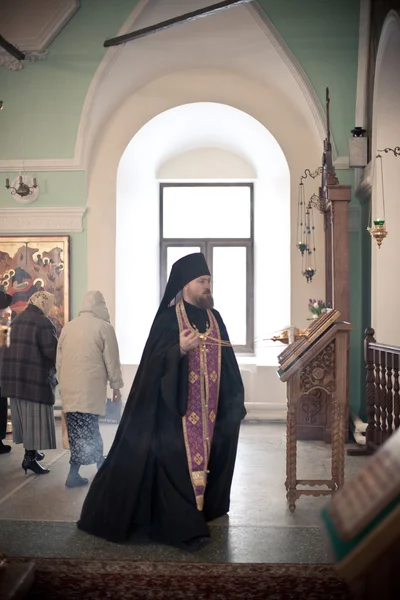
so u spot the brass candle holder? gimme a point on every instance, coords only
(288, 336)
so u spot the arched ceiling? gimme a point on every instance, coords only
(240, 40)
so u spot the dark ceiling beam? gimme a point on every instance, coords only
(190, 16)
(11, 49)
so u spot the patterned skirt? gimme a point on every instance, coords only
(33, 424)
(85, 442)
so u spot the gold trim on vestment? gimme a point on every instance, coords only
(199, 478)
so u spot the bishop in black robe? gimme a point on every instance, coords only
(146, 483)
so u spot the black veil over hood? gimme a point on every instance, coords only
(183, 271)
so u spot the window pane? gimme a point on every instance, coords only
(206, 212)
(174, 253)
(229, 290)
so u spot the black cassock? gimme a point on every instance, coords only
(144, 483)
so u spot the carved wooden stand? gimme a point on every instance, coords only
(323, 366)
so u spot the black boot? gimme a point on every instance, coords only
(39, 455)
(30, 463)
(4, 448)
(74, 479)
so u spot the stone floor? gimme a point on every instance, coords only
(38, 514)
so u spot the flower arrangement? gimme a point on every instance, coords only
(318, 307)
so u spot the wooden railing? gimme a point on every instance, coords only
(382, 390)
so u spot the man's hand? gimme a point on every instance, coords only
(116, 396)
(188, 340)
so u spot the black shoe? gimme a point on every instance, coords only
(4, 448)
(34, 466)
(195, 544)
(40, 455)
(75, 480)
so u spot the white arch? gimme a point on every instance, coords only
(180, 128)
(386, 133)
(125, 69)
(292, 134)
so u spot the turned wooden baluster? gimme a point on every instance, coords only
(389, 392)
(370, 391)
(378, 431)
(383, 397)
(396, 388)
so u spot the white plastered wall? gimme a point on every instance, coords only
(386, 133)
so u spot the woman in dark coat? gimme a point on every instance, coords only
(28, 379)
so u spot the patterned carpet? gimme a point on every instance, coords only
(68, 579)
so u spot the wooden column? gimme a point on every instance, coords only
(337, 259)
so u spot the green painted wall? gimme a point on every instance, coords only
(323, 36)
(44, 101)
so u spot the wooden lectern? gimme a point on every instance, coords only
(332, 202)
(363, 524)
(319, 360)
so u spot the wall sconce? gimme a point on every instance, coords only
(379, 231)
(24, 187)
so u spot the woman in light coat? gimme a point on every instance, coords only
(87, 357)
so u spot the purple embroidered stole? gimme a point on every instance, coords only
(199, 422)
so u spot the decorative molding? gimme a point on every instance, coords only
(41, 220)
(40, 164)
(354, 219)
(13, 64)
(73, 164)
(43, 19)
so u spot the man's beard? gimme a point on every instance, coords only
(204, 301)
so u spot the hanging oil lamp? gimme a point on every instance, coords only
(309, 267)
(301, 218)
(305, 227)
(378, 231)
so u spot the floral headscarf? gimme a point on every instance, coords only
(42, 300)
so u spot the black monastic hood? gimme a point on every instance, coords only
(183, 272)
